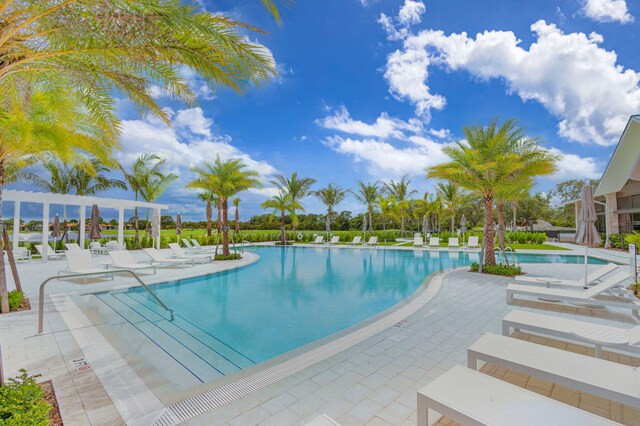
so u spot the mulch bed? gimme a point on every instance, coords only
(26, 306)
(50, 396)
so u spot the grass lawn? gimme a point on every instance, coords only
(536, 247)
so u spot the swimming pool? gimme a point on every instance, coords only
(291, 297)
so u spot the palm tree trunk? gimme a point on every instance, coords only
(237, 227)
(370, 219)
(136, 224)
(489, 235)
(219, 206)
(501, 225)
(225, 227)
(4, 294)
(402, 222)
(453, 222)
(209, 218)
(282, 228)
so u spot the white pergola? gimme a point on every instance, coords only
(47, 199)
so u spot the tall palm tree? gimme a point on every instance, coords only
(400, 191)
(452, 198)
(225, 178)
(210, 199)
(330, 196)
(155, 186)
(236, 204)
(368, 194)
(491, 157)
(297, 188)
(282, 204)
(387, 206)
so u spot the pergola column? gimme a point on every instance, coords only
(159, 213)
(16, 225)
(121, 227)
(45, 232)
(81, 226)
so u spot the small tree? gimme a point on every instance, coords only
(331, 196)
(282, 204)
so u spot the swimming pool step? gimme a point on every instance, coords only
(177, 337)
(236, 358)
(203, 369)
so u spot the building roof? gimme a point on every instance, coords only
(76, 200)
(624, 164)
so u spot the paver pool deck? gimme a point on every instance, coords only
(374, 381)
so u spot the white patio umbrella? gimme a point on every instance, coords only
(155, 225)
(587, 234)
(463, 226)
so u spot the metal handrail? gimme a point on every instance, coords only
(106, 271)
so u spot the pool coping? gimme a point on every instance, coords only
(215, 394)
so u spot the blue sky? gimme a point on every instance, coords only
(373, 89)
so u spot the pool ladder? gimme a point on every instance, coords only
(106, 272)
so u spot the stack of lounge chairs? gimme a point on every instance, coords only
(467, 396)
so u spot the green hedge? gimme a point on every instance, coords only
(22, 402)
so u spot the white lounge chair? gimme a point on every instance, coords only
(72, 246)
(20, 254)
(434, 242)
(95, 247)
(472, 243)
(334, 240)
(598, 335)
(599, 377)
(112, 246)
(122, 259)
(453, 243)
(356, 241)
(157, 256)
(591, 278)
(473, 398)
(190, 249)
(179, 252)
(81, 262)
(418, 241)
(51, 254)
(585, 297)
(319, 240)
(198, 246)
(373, 241)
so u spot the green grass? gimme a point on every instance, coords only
(536, 247)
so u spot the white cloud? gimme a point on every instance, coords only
(569, 74)
(572, 166)
(411, 12)
(607, 11)
(384, 126)
(190, 141)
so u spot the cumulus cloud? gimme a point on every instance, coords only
(607, 11)
(384, 126)
(569, 74)
(411, 12)
(572, 166)
(187, 143)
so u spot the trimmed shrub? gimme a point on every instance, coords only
(22, 402)
(232, 256)
(15, 299)
(499, 269)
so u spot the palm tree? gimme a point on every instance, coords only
(155, 186)
(91, 180)
(297, 188)
(452, 197)
(225, 178)
(490, 158)
(368, 194)
(236, 204)
(330, 196)
(97, 47)
(387, 206)
(283, 204)
(59, 181)
(210, 199)
(400, 192)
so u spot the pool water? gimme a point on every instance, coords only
(292, 296)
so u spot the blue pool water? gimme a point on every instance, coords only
(291, 297)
